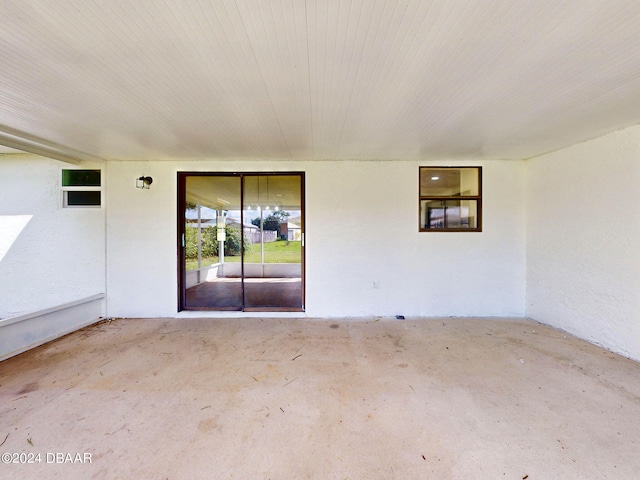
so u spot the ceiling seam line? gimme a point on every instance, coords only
(306, 24)
(264, 83)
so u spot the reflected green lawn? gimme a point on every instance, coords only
(279, 251)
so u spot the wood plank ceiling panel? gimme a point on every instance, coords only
(322, 79)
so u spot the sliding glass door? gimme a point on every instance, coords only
(210, 241)
(241, 241)
(273, 234)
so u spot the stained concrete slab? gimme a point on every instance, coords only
(320, 399)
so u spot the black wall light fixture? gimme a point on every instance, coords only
(144, 182)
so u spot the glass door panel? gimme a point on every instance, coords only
(212, 243)
(273, 232)
(241, 241)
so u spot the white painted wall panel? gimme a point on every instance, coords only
(583, 232)
(361, 228)
(366, 231)
(141, 241)
(48, 255)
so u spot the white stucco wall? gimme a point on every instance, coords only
(361, 228)
(48, 255)
(583, 234)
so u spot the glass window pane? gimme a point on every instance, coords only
(432, 214)
(453, 214)
(212, 242)
(461, 214)
(80, 178)
(273, 226)
(449, 182)
(82, 198)
(212, 223)
(273, 213)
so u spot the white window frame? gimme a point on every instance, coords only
(80, 188)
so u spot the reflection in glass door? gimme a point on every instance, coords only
(211, 273)
(272, 210)
(241, 241)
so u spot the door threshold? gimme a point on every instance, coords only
(273, 309)
(238, 314)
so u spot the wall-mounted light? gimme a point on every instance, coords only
(143, 182)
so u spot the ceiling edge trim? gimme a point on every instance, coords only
(10, 137)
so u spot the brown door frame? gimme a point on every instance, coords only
(181, 204)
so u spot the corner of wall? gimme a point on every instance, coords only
(582, 235)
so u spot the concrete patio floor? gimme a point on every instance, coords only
(321, 399)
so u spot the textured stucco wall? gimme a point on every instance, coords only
(48, 255)
(583, 235)
(361, 228)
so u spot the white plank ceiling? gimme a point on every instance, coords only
(315, 79)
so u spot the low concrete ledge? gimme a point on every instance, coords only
(251, 270)
(24, 332)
